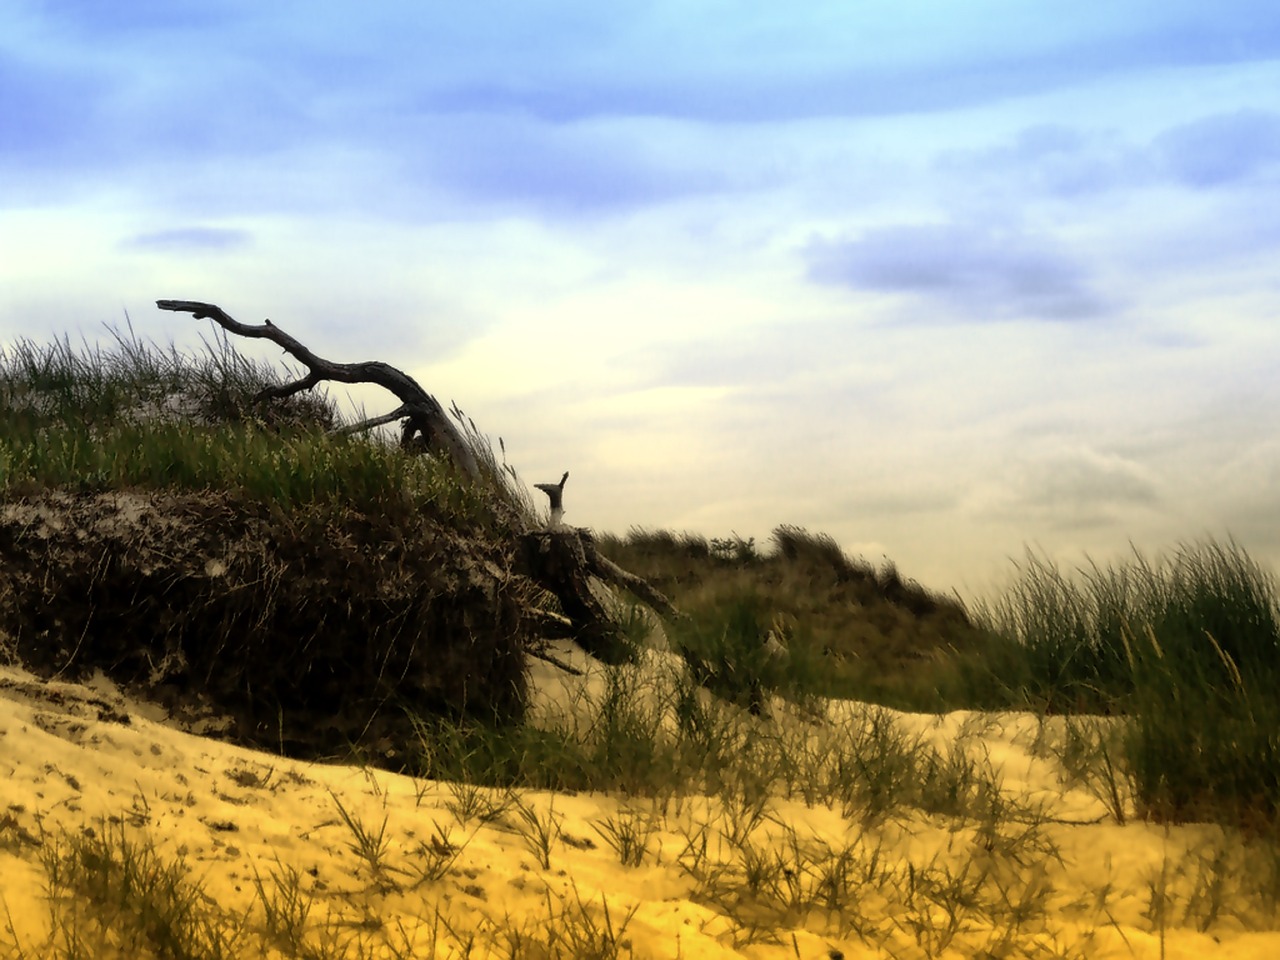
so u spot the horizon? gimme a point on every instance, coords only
(945, 285)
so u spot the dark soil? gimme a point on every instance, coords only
(316, 631)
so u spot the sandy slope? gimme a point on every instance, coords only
(72, 755)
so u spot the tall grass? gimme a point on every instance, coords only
(656, 733)
(1188, 648)
(739, 655)
(58, 383)
(136, 414)
(289, 469)
(851, 630)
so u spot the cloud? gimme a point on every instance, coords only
(46, 110)
(988, 273)
(757, 360)
(1058, 160)
(686, 59)
(189, 238)
(680, 59)
(905, 497)
(149, 16)
(1051, 159)
(546, 112)
(1222, 148)
(1076, 488)
(558, 169)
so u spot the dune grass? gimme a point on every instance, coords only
(1181, 654)
(995, 888)
(113, 894)
(1187, 649)
(1184, 649)
(852, 631)
(139, 415)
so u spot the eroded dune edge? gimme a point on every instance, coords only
(110, 811)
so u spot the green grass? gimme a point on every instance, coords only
(55, 383)
(108, 888)
(729, 653)
(852, 631)
(112, 893)
(1181, 655)
(1184, 650)
(138, 415)
(665, 737)
(1187, 649)
(288, 470)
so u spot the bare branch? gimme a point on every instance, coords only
(555, 662)
(610, 572)
(372, 422)
(424, 413)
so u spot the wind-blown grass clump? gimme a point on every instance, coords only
(849, 630)
(740, 656)
(56, 383)
(1188, 648)
(91, 420)
(159, 522)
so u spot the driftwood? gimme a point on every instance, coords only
(562, 559)
(566, 561)
(555, 493)
(425, 422)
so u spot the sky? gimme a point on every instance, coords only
(949, 282)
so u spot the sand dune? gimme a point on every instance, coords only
(77, 757)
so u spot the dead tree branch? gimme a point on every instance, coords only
(564, 560)
(396, 414)
(610, 572)
(423, 415)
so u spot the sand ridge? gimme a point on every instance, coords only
(81, 756)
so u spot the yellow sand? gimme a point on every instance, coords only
(67, 762)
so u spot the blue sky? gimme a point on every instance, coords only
(943, 280)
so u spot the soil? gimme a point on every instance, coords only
(314, 632)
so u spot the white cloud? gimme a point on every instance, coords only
(984, 273)
(207, 239)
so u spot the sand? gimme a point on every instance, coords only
(81, 756)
